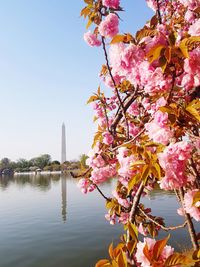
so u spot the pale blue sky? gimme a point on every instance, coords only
(47, 73)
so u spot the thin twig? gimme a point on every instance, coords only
(80, 175)
(107, 198)
(119, 115)
(114, 83)
(158, 12)
(162, 226)
(106, 116)
(130, 141)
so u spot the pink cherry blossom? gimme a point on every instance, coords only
(124, 217)
(153, 79)
(122, 201)
(142, 230)
(111, 218)
(111, 3)
(158, 130)
(107, 138)
(191, 77)
(193, 210)
(109, 27)
(91, 39)
(133, 130)
(100, 175)
(191, 4)
(85, 185)
(174, 160)
(189, 16)
(134, 109)
(152, 4)
(194, 29)
(125, 167)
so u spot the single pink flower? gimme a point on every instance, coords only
(110, 26)
(91, 39)
(107, 138)
(193, 210)
(173, 160)
(194, 29)
(111, 3)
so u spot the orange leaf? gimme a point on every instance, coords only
(158, 247)
(103, 263)
(117, 39)
(110, 250)
(155, 52)
(147, 253)
(176, 259)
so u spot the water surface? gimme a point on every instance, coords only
(46, 222)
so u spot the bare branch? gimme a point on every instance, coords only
(80, 175)
(114, 83)
(162, 226)
(136, 202)
(158, 12)
(107, 198)
(130, 141)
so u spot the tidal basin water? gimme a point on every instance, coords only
(45, 221)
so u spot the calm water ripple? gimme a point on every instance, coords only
(46, 222)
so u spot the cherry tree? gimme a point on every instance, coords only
(148, 127)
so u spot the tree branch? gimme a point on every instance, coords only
(158, 12)
(107, 198)
(136, 202)
(191, 229)
(80, 175)
(130, 141)
(162, 226)
(116, 90)
(119, 116)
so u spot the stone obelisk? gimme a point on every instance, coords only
(63, 144)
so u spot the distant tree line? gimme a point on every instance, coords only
(42, 162)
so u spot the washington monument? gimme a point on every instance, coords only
(63, 145)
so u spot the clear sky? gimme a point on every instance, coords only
(47, 73)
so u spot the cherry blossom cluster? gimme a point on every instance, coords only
(147, 131)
